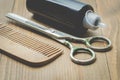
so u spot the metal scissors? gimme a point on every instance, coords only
(66, 39)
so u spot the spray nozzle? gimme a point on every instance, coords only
(92, 20)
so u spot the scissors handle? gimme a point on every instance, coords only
(92, 40)
(82, 61)
(76, 50)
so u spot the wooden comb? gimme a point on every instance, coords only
(26, 49)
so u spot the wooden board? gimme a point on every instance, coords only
(105, 68)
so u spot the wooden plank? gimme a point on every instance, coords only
(105, 68)
(5, 7)
(111, 13)
(20, 9)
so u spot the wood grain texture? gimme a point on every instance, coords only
(107, 66)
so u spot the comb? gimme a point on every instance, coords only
(26, 49)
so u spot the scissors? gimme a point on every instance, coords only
(66, 39)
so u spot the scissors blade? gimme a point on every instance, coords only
(62, 41)
(40, 28)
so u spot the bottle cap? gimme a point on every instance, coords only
(92, 20)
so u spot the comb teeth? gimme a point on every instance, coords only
(4, 31)
(29, 42)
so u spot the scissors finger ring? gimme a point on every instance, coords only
(99, 39)
(84, 61)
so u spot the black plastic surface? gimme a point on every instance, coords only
(65, 15)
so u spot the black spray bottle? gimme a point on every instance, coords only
(70, 16)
